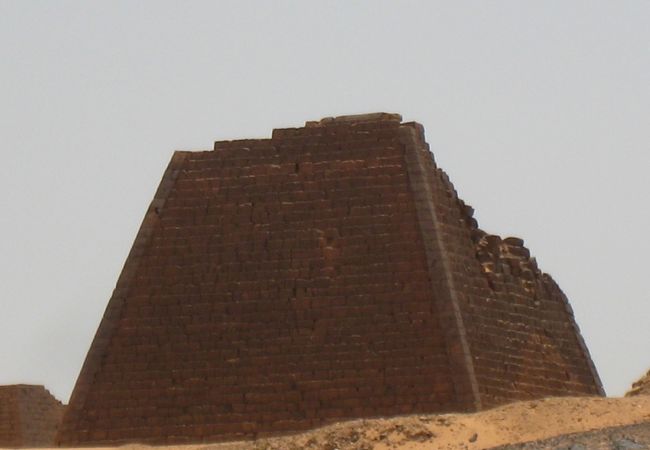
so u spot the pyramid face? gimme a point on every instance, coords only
(329, 272)
(29, 416)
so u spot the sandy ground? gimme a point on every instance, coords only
(514, 423)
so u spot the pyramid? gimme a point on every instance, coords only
(640, 386)
(29, 416)
(329, 272)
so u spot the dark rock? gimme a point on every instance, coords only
(514, 241)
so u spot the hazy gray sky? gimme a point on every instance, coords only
(538, 110)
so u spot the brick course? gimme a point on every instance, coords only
(329, 272)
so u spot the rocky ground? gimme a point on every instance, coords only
(628, 437)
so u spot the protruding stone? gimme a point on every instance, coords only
(514, 241)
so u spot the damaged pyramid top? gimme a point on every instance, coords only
(326, 273)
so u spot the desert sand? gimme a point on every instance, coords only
(513, 423)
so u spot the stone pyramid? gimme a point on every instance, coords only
(640, 386)
(29, 416)
(329, 272)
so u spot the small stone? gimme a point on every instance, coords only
(514, 241)
(473, 437)
(492, 241)
(477, 234)
(519, 251)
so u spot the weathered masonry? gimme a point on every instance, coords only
(29, 416)
(328, 272)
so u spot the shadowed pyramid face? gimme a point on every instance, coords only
(329, 272)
